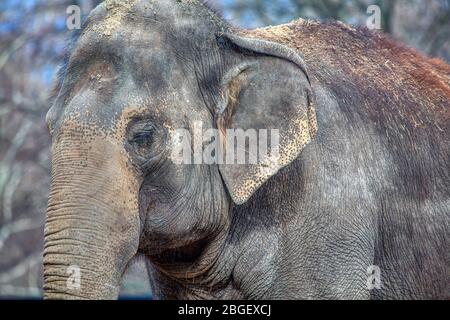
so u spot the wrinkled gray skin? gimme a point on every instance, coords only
(309, 231)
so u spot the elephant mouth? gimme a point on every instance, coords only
(180, 256)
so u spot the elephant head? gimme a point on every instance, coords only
(138, 72)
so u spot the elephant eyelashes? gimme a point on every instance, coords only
(142, 139)
(142, 143)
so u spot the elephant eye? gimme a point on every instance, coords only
(146, 140)
(142, 139)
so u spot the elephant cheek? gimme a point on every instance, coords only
(92, 227)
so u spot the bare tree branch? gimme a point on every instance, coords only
(20, 269)
(15, 227)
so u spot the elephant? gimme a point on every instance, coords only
(355, 205)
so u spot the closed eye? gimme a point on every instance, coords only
(142, 138)
(146, 140)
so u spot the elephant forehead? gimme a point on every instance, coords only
(105, 96)
(107, 77)
(115, 11)
(113, 15)
(85, 123)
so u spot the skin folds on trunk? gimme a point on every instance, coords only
(92, 218)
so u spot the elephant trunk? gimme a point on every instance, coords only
(92, 227)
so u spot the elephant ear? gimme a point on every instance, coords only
(266, 87)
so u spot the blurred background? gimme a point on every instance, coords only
(32, 41)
